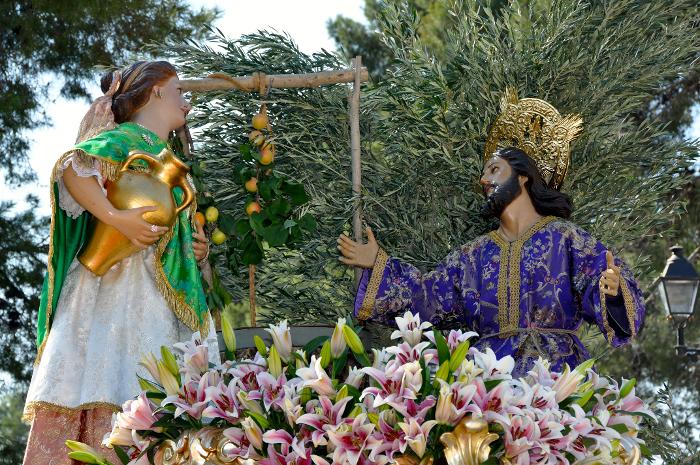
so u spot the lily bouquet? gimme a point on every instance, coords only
(403, 403)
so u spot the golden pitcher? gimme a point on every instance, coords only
(134, 189)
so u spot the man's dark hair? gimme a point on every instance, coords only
(547, 201)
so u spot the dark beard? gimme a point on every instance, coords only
(501, 197)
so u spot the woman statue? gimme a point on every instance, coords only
(93, 330)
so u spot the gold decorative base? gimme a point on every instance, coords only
(207, 446)
(468, 444)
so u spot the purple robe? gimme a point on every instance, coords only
(525, 298)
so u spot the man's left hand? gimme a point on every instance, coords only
(610, 278)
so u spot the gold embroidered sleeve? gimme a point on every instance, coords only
(373, 285)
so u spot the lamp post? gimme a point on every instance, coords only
(679, 290)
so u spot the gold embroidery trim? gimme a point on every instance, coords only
(32, 408)
(629, 304)
(508, 292)
(177, 303)
(373, 285)
(609, 333)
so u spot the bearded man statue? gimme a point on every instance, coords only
(527, 286)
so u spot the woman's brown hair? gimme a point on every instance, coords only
(137, 81)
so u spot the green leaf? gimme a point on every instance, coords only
(243, 227)
(296, 193)
(259, 419)
(620, 428)
(442, 347)
(492, 383)
(278, 207)
(227, 224)
(363, 359)
(252, 255)
(265, 189)
(339, 363)
(123, 457)
(314, 344)
(307, 222)
(246, 152)
(276, 235)
(627, 388)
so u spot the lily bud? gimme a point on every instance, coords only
(458, 355)
(442, 373)
(342, 393)
(337, 339)
(169, 361)
(252, 432)
(169, 382)
(274, 363)
(325, 354)
(260, 345)
(353, 340)
(229, 334)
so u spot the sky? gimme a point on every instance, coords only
(304, 20)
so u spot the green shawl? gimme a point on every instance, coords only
(177, 275)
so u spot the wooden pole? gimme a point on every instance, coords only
(355, 156)
(222, 81)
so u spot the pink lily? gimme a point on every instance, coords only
(316, 377)
(417, 434)
(242, 446)
(272, 390)
(326, 416)
(246, 371)
(387, 439)
(350, 441)
(138, 414)
(410, 409)
(192, 398)
(225, 402)
(406, 353)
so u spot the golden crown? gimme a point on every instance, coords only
(535, 127)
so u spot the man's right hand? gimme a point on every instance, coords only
(356, 254)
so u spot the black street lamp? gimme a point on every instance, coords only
(679, 290)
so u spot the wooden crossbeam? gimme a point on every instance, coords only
(222, 81)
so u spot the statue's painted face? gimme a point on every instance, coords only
(500, 185)
(172, 103)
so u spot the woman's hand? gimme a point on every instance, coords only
(200, 244)
(356, 254)
(140, 232)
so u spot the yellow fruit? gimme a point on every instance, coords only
(199, 218)
(253, 207)
(260, 121)
(251, 185)
(211, 214)
(256, 138)
(267, 154)
(218, 236)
